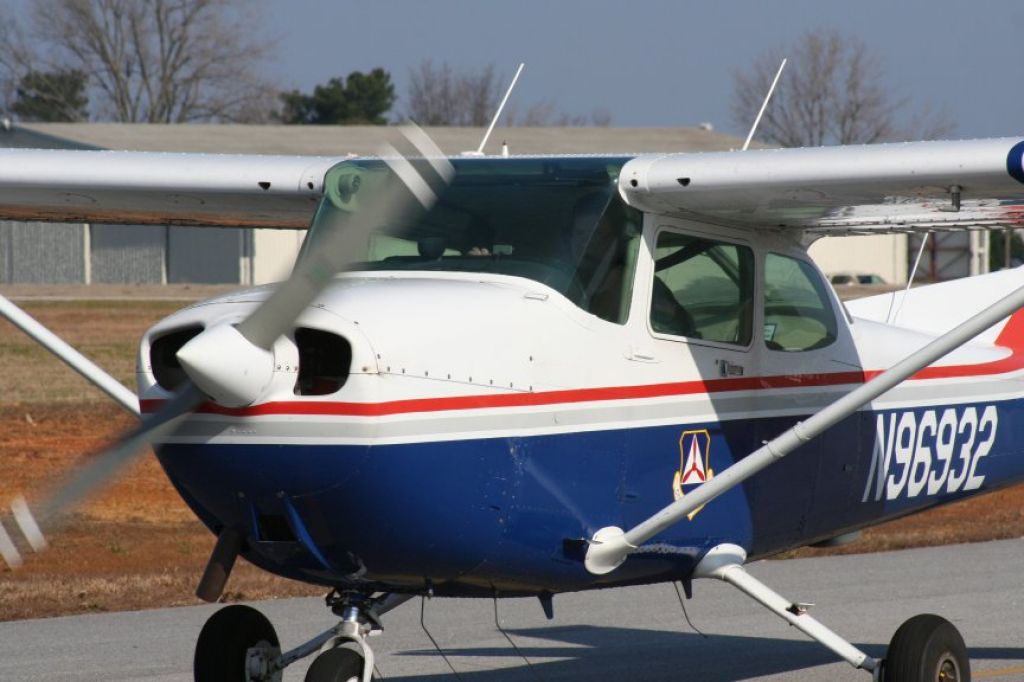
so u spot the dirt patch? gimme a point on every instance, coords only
(125, 566)
(136, 545)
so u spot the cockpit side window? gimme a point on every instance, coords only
(606, 245)
(702, 289)
(797, 312)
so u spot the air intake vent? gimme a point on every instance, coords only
(274, 528)
(164, 360)
(324, 361)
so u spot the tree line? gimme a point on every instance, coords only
(180, 61)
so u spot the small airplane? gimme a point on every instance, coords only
(519, 376)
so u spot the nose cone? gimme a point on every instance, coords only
(226, 367)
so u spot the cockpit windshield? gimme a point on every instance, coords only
(558, 221)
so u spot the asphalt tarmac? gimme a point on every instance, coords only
(628, 634)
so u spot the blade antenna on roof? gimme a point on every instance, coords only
(764, 105)
(501, 107)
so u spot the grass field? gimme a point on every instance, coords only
(137, 545)
(107, 332)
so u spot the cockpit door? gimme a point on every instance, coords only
(807, 360)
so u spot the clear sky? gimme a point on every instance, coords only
(659, 62)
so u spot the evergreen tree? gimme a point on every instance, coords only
(359, 99)
(53, 96)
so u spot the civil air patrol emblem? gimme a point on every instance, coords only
(694, 464)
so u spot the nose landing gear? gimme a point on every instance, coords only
(234, 643)
(238, 642)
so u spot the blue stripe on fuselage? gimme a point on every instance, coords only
(509, 512)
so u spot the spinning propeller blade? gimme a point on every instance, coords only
(338, 247)
(354, 208)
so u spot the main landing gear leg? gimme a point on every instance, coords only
(926, 648)
(725, 562)
(238, 642)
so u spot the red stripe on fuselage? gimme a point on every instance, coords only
(1012, 336)
(1013, 363)
(578, 395)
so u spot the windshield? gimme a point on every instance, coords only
(556, 221)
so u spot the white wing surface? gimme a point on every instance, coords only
(161, 189)
(833, 190)
(839, 190)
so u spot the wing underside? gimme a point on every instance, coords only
(971, 184)
(160, 189)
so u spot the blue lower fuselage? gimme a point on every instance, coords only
(468, 517)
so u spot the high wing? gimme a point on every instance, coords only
(826, 190)
(839, 190)
(148, 188)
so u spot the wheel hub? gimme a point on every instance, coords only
(257, 662)
(948, 670)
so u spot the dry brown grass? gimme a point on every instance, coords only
(107, 332)
(124, 566)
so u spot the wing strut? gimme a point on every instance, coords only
(610, 546)
(71, 357)
(725, 562)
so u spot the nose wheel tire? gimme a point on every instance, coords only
(336, 665)
(927, 648)
(224, 644)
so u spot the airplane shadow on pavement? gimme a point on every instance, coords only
(608, 653)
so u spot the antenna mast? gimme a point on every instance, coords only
(501, 107)
(764, 105)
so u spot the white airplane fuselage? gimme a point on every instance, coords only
(486, 425)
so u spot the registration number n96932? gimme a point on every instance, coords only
(930, 452)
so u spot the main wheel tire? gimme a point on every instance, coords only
(927, 648)
(226, 638)
(336, 665)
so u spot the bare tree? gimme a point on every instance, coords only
(439, 96)
(832, 92)
(538, 114)
(159, 61)
(479, 93)
(600, 118)
(546, 113)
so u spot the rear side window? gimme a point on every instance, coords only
(702, 289)
(797, 313)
